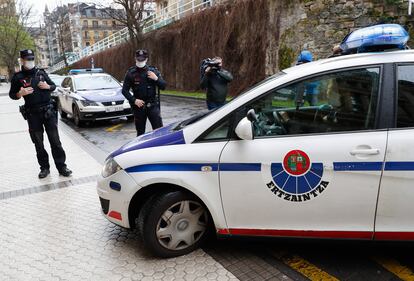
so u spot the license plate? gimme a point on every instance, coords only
(114, 108)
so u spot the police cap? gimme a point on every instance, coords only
(27, 54)
(141, 55)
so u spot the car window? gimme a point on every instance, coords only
(65, 83)
(95, 82)
(57, 80)
(342, 101)
(219, 132)
(405, 111)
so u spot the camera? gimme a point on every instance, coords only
(212, 63)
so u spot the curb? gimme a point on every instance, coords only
(184, 98)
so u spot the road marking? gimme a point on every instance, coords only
(393, 266)
(113, 128)
(304, 267)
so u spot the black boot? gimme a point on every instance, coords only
(65, 172)
(43, 173)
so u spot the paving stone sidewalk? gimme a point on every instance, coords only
(59, 233)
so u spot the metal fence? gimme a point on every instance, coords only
(162, 18)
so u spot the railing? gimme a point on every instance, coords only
(166, 16)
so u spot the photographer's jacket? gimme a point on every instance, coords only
(30, 78)
(143, 87)
(216, 82)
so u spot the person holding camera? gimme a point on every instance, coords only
(215, 79)
(35, 86)
(145, 82)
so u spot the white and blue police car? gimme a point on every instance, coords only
(271, 164)
(91, 95)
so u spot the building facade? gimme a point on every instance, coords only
(41, 46)
(72, 27)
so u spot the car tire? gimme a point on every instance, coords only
(76, 116)
(185, 229)
(63, 114)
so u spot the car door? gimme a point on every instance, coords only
(395, 203)
(313, 168)
(63, 97)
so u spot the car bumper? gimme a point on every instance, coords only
(103, 115)
(115, 193)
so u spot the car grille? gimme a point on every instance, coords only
(109, 103)
(104, 205)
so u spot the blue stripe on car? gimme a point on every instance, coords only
(257, 167)
(358, 166)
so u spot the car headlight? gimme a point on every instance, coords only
(110, 167)
(88, 103)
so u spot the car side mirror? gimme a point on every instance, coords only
(244, 129)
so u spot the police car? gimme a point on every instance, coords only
(90, 95)
(269, 164)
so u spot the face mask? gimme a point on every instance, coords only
(29, 64)
(141, 64)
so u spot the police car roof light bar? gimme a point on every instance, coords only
(85, 70)
(376, 38)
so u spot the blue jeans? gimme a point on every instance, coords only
(214, 105)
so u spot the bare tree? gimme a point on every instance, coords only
(131, 16)
(59, 20)
(14, 22)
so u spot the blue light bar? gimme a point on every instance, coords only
(85, 70)
(377, 37)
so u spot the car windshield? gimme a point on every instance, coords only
(57, 80)
(95, 82)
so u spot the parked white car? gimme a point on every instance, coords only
(270, 164)
(90, 95)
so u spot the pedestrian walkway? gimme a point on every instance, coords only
(52, 229)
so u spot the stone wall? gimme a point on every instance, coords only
(318, 25)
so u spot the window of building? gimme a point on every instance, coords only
(105, 23)
(95, 23)
(85, 23)
(343, 101)
(113, 23)
(405, 113)
(86, 34)
(105, 33)
(93, 13)
(75, 44)
(88, 44)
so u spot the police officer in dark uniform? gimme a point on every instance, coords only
(35, 86)
(145, 82)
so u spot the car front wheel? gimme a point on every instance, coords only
(173, 224)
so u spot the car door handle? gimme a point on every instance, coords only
(371, 151)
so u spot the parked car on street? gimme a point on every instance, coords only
(268, 164)
(90, 95)
(57, 79)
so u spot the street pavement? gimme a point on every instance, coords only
(52, 229)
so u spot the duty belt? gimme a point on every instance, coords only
(39, 108)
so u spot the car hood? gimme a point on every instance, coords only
(102, 95)
(160, 137)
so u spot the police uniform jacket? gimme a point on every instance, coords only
(143, 88)
(30, 78)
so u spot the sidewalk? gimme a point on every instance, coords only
(52, 229)
(19, 167)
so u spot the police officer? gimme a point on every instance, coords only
(145, 82)
(35, 86)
